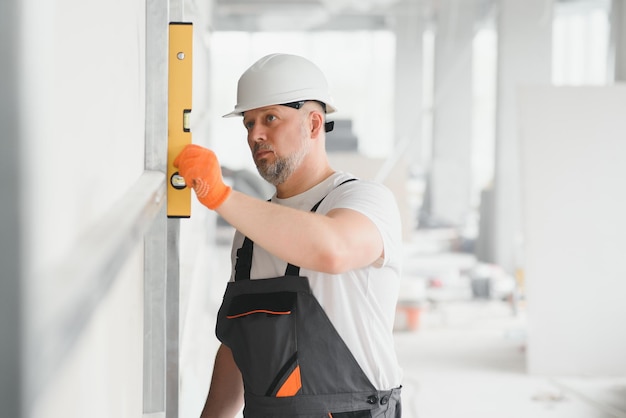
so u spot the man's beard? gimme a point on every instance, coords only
(283, 167)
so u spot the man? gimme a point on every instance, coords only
(306, 322)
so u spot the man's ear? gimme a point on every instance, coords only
(317, 123)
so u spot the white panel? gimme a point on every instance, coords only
(83, 81)
(573, 147)
(102, 375)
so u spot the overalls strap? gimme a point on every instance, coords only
(244, 260)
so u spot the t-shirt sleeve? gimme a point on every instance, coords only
(375, 201)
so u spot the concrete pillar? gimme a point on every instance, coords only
(450, 185)
(524, 57)
(618, 41)
(409, 27)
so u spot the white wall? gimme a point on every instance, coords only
(573, 149)
(83, 85)
(82, 105)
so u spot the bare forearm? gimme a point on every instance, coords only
(271, 226)
(225, 397)
(338, 242)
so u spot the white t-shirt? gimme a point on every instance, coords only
(360, 303)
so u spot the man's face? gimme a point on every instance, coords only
(278, 140)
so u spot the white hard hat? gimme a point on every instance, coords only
(278, 79)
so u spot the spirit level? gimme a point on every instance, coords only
(178, 116)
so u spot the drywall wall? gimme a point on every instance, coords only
(573, 149)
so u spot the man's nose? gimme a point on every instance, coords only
(257, 133)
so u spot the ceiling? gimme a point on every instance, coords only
(345, 15)
(285, 15)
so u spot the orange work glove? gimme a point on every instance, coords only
(201, 170)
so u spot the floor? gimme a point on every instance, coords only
(463, 352)
(467, 359)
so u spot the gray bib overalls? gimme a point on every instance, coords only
(292, 360)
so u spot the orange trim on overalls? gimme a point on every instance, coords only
(258, 311)
(292, 385)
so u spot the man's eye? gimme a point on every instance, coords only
(270, 118)
(248, 125)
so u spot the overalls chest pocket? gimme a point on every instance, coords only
(260, 329)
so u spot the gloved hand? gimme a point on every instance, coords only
(201, 170)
